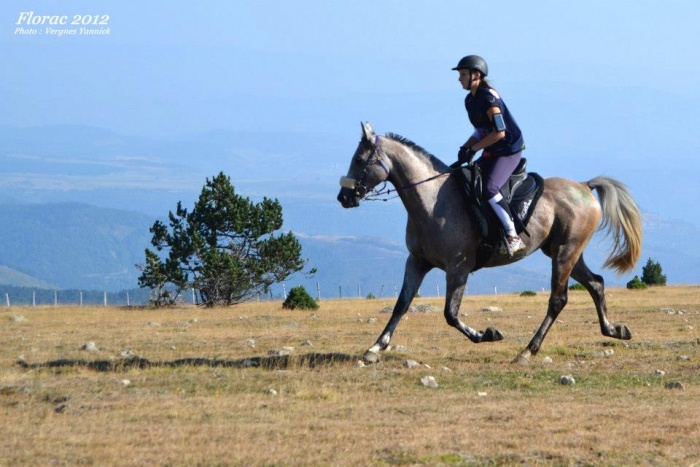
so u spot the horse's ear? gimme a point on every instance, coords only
(368, 132)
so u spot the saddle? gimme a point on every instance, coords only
(521, 192)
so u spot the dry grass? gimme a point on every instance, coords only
(194, 400)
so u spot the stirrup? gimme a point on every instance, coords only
(512, 246)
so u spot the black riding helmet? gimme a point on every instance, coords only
(473, 62)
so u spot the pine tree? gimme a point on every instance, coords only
(652, 274)
(225, 248)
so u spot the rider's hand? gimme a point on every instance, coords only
(465, 155)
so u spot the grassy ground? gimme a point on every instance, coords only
(199, 393)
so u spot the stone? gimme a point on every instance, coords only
(547, 360)
(482, 394)
(683, 358)
(125, 382)
(491, 309)
(567, 380)
(90, 346)
(271, 392)
(429, 381)
(660, 373)
(250, 343)
(360, 364)
(307, 343)
(410, 364)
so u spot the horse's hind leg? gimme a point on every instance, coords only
(596, 287)
(416, 269)
(563, 260)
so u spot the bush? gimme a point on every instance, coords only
(651, 274)
(636, 283)
(527, 293)
(370, 296)
(576, 286)
(298, 298)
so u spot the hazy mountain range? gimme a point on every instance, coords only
(76, 204)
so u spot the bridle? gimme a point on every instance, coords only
(359, 185)
(360, 188)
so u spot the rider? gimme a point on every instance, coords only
(497, 134)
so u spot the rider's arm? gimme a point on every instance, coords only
(492, 137)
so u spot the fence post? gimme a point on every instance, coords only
(340, 291)
(7, 299)
(284, 291)
(318, 290)
(105, 298)
(33, 298)
(127, 299)
(81, 299)
(55, 298)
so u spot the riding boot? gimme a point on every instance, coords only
(513, 242)
(502, 210)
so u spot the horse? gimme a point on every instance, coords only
(441, 233)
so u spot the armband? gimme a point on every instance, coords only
(498, 122)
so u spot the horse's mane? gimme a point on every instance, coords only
(413, 146)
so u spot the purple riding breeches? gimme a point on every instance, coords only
(495, 172)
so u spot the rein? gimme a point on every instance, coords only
(361, 190)
(383, 191)
(374, 194)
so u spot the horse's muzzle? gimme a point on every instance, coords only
(347, 198)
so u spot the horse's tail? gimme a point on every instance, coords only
(622, 219)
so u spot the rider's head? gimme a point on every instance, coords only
(467, 66)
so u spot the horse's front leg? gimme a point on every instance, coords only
(455, 290)
(416, 269)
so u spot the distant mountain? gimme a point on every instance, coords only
(73, 198)
(71, 245)
(9, 276)
(79, 246)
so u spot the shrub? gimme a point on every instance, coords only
(370, 296)
(576, 286)
(298, 298)
(636, 283)
(527, 293)
(651, 274)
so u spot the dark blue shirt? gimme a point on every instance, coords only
(477, 106)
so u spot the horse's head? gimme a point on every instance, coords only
(368, 168)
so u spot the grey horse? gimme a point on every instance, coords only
(442, 234)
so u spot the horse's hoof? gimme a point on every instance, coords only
(623, 332)
(491, 335)
(521, 360)
(370, 357)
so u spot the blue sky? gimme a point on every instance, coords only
(180, 51)
(597, 86)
